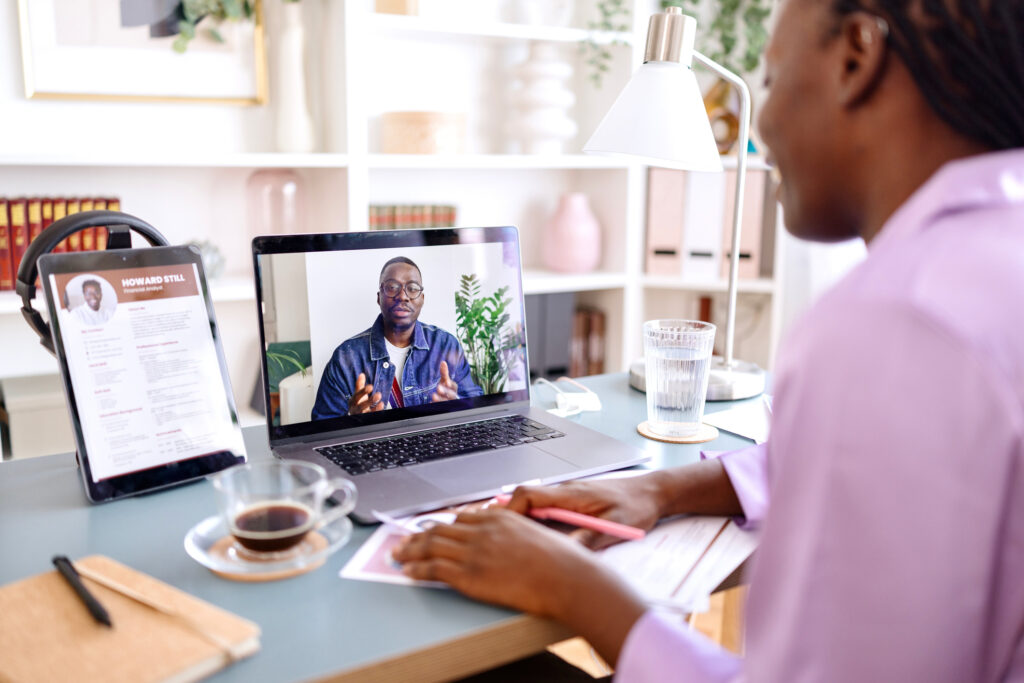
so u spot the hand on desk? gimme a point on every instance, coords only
(498, 556)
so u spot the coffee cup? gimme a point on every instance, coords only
(270, 507)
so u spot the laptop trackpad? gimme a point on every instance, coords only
(492, 469)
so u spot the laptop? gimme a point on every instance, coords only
(397, 359)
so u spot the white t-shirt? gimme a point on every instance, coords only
(87, 316)
(398, 357)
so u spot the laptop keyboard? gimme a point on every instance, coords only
(361, 457)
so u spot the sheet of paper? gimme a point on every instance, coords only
(751, 420)
(732, 547)
(658, 565)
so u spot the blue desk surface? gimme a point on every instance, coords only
(315, 625)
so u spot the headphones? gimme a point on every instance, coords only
(119, 226)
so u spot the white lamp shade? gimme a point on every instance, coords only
(659, 119)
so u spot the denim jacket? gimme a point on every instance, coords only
(367, 353)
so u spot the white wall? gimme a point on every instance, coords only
(291, 303)
(811, 270)
(342, 289)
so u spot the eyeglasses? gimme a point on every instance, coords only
(392, 288)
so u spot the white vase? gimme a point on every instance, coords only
(546, 12)
(542, 124)
(294, 125)
(572, 237)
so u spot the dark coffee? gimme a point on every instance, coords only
(272, 527)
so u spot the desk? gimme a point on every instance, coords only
(316, 625)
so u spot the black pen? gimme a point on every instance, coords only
(67, 570)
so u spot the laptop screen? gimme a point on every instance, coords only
(366, 328)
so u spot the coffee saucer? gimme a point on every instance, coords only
(210, 544)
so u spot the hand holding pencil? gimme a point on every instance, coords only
(603, 526)
(628, 502)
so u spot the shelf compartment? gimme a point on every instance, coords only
(494, 161)
(173, 160)
(548, 282)
(758, 286)
(427, 26)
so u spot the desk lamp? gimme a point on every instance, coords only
(660, 120)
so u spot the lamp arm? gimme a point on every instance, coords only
(741, 177)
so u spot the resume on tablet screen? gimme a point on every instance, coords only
(143, 364)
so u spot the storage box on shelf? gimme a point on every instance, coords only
(37, 417)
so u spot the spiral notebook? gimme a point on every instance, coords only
(46, 634)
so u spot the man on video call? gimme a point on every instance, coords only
(399, 361)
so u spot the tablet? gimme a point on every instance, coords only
(144, 373)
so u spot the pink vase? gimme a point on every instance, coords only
(572, 238)
(276, 202)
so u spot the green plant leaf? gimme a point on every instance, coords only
(482, 328)
(232, 9)
(281, 359)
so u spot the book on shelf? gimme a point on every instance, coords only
(26, 219)
(46, 209)
(578, 344)
(587, 345)
(6, 260)
(689, 225)
(35, 218)
(101, 232)
(89, 234)
(595, 342)
(19, 231)
(60, 210)
(410, 216)
(22, 220)
(159, 632)
(751, 225)
(74, 242)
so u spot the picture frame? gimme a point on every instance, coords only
(81, 50)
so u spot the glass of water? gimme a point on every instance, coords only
(678, 357)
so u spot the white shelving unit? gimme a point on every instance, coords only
(190, 182)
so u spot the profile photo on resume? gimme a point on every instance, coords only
(90, 299)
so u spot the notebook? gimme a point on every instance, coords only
(46, 633)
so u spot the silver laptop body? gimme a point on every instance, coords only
(317, 296)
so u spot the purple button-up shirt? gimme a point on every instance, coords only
(892, 490)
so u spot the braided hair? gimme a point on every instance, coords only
(967, 58)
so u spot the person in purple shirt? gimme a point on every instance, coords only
(891, 494)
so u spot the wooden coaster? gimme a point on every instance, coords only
(705, 433)
(313, 543)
